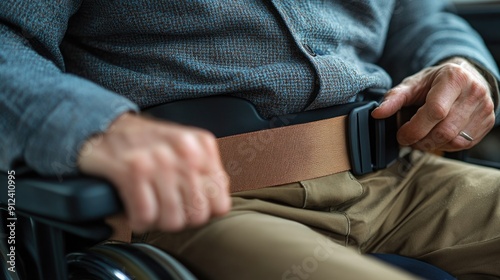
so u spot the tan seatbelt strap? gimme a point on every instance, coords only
(286, 154)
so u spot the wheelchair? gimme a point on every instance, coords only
(55, 229)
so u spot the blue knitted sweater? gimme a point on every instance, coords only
(69, 68)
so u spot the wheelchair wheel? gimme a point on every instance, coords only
(175, 268)
(124, 261)
(105, 261)
(140, 266)
(94, 266)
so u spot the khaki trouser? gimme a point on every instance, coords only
(443, 212)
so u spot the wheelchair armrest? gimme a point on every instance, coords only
(72, 200)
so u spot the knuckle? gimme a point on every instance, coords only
(486, 118)
(187, 145)
(489, 121)
(165, 157)
(208, 139)
(206, 135)
(139, 164)
(457, 75)
(445, 134)
(436, 111)
(477, 92)
(186, 136)
(458, 72)
(489, 107)
(222, 207)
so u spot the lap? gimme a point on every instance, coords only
(437, 210)
(253, 245)
(441, 211)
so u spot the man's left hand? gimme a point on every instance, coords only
(452, 98)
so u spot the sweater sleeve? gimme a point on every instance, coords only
(46, 114)
(423, 33)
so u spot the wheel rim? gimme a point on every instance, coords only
(94, 266)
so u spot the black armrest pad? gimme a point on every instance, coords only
(73, 200)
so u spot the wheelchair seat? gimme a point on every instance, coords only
(59, 238)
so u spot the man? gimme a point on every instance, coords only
(73, 75)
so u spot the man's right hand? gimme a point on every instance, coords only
(169, 176)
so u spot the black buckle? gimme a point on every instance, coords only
(372, 142)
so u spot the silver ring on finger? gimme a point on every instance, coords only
(466, 136)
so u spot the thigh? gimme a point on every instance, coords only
(253, 245)
(442, 211)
